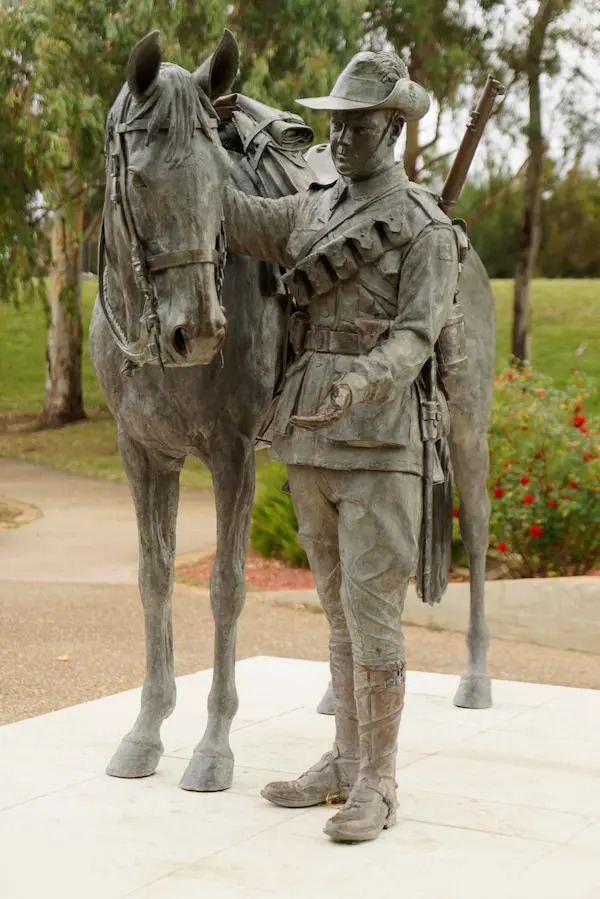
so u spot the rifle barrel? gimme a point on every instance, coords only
(460, 167)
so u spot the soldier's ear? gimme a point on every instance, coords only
(396, 129)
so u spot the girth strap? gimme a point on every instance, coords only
(177, 258)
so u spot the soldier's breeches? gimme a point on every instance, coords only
(360, 530)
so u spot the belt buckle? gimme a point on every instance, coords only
(321, 339)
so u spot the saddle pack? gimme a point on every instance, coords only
(271, 143)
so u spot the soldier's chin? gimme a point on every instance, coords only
(345, 166)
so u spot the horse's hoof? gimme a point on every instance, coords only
(208, 773)
(325, 707)
(135, 759)
(474, 692)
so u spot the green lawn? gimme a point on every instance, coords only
(565, 319)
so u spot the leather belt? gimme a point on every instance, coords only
(324, 340)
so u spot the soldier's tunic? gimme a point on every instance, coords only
(377, 288)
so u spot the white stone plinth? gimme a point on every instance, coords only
(496, 804)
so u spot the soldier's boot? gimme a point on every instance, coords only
(334, 774)
(371, 806)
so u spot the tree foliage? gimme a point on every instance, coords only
(294, 48)
(570, 222)
(445, 48)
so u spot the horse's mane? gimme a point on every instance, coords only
(175, 102)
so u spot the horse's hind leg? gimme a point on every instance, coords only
(470, 461)
(211, 766)
(155, 487)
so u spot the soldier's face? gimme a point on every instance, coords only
(361, 142)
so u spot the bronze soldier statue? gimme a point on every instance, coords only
(373, 264)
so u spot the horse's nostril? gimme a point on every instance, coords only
(180, 341)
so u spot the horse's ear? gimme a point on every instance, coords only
(217, 73)
(144, 64)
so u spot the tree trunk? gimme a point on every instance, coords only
(527, 252)
(411, 150)
(63, 401)
(529, 241)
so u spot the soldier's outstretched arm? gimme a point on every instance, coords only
(427, 285)
(259, 227)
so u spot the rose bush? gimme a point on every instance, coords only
(543, 484)
(544, 475)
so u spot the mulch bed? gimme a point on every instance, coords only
(267, 574)
(261, 574)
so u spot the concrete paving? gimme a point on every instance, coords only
(87, 532)
(502, 803)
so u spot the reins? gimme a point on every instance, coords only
(147, 348)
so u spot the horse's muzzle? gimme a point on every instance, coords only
(185, 349)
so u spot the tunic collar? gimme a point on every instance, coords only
(359, 191)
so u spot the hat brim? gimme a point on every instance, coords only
(331, 104)
(407, 97)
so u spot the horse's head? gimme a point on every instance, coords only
(163, 220)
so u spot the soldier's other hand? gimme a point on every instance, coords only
(338, 400)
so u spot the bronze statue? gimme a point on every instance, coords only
(373, 264)
(187, 348)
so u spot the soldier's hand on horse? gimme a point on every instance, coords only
(338, 400)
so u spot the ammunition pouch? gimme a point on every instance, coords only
(298, 329)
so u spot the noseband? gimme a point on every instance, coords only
(147, 348)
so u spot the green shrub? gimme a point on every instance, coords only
(544, 477)
(274, 530)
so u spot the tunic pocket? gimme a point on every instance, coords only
(393, 423)
(288, 400)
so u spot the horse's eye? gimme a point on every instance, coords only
(137, 180)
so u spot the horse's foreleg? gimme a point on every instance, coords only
(211, 766)
(154, 485)
(470, 461)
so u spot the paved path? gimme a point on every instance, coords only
(71, 626)
(87, 532)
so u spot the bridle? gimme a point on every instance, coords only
(147, 348)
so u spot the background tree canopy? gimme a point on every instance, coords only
(62, 63)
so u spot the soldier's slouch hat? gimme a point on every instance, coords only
(357, 88)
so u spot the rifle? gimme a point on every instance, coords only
(430, 412)
(468, 146)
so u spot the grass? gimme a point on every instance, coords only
(565, 334)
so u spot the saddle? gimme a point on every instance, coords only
(272, 144)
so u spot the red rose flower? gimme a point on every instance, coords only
(553, 504)
(587, 457)
(573, 485)
(579, 420)
(535, 530)
(510, 375)
(540, 392)
(529, 498)
(578, 407)
(498, 493)
(503, 547)
(525, 480)
(583, 429)
(455, 513)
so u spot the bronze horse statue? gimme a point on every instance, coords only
(187, 344)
